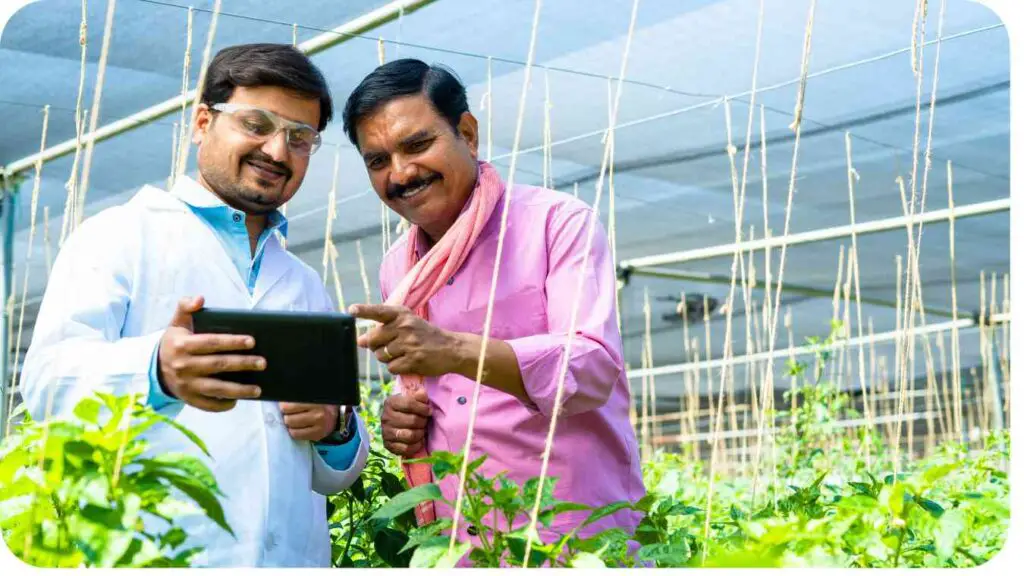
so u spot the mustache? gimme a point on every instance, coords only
(261, 158)
(397, 190)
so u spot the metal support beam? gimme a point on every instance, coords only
(8, 196)
(314, 45)
(933, 328)
(836, 232)
(761, 285)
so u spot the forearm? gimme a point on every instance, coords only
(501, 367)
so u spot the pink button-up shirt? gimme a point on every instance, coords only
(594, 455)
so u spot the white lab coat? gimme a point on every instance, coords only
(113, 289)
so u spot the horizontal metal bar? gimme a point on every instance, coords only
(319, 43)
(932, 328)
(788, 287)
(835, 232)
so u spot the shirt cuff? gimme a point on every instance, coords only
(157, 398)
(339, 453)
(538, 358)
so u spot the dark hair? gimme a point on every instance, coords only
(251, 65)
(405, 77)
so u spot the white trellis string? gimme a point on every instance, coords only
(72, 184)
(94, 111)
(494, 279)
(183, 154)
(593, 222)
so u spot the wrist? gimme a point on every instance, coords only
(464, 350)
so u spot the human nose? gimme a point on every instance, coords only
(277, 146)
(402, 171)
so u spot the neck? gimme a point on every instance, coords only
(255, 224)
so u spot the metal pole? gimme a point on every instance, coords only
(803, 350)
(8, 196)
(875, 226)
(761, 285)
(314, 45)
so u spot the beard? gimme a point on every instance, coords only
(260, 199)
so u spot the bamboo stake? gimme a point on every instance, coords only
(957, 386)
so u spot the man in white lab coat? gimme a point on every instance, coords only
(116, 315)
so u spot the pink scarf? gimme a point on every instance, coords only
(428, 275)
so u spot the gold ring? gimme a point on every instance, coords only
(388, 352)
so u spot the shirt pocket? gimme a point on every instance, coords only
(516, 315)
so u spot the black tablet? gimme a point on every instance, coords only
(311, 357)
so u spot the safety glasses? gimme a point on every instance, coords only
(262, 125)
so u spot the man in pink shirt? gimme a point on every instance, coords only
(412, 126)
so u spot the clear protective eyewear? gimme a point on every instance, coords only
(260, 124)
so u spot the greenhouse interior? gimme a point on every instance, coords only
(806, 206)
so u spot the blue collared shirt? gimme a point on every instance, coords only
(228, 224)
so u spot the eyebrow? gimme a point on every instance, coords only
(420, 135)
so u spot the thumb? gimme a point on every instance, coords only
(420, 394)
(183, 313)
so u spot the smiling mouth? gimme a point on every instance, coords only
(267, 172)
(411, 193)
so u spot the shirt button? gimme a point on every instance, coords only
(472, 531)
(461, 400)
(271, 542)
(269, 419)
(237, 217)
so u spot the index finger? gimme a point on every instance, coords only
(213, 343)
(382, 313)
(295, 407)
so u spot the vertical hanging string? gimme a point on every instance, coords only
(28, 259)
(183, 154)
(490, 111)
(612, 239)
(94, 112)
(46, 241)
(72, 184)
(332, 212)
(174, 154)
(957, 385)
(186, 66)
(510, 186)
(593, 222)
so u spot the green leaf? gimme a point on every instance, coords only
(675, 554)
(88, 410)
(188, 433)
(548, 515)
(358, 490)
(933, 507)
(420, 535)
(391, 485)
(389, 543)
(203, 497)
(606, 511)
(587, 560)
(936, 473)
(430, 552)
(449, 559)
(406, 501)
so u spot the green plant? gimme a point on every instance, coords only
(75, 491)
